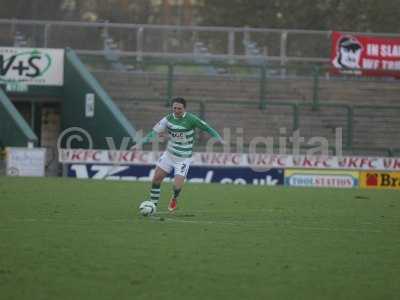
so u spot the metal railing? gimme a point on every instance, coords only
(200, 106)
(312, 76)
(253, 45)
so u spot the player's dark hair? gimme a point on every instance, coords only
(179, 100)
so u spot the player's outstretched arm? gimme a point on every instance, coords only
(157, 129)
(148, 138)
(207, 128)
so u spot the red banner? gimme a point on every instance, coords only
(365, 55)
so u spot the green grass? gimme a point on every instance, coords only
(69, 239)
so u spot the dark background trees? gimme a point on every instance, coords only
(345, 15)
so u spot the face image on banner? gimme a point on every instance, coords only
(348, 53)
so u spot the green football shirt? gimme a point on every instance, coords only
(181, 132)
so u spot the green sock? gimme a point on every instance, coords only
(176, 192)
(155, 193)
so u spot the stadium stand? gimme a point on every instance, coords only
(362, 108)
(261, 103)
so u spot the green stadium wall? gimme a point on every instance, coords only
(108, 120)
(14, 130)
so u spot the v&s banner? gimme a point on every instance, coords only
(32, 66)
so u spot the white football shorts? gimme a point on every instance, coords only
(167, 162)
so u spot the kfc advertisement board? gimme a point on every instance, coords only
(255, 161)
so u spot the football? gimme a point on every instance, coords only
(147, 208)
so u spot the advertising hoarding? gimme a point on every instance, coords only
(321, 178)
(196, 174)
(25, 161)
(256, 161)
(380, 180)
(365, 55)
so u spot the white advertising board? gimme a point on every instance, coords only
(25, 161)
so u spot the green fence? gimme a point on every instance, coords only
(263, 75)
(199, 106)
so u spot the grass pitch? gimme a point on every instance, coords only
(71, 239)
